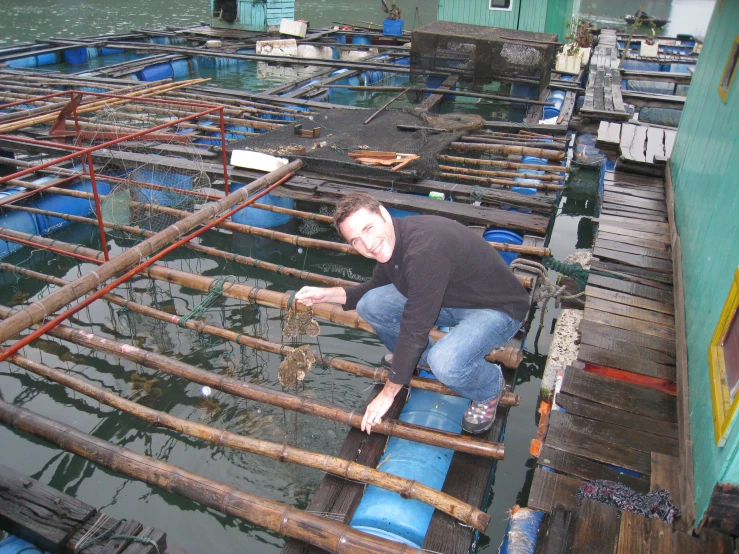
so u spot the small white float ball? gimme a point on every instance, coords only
(205, 391)
(300, 250)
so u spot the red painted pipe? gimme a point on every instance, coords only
(105, 290)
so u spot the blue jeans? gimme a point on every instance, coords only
(458, 359)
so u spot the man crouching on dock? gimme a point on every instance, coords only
(430, 271)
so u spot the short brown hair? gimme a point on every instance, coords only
(352, 203)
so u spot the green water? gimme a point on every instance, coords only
(187, 523)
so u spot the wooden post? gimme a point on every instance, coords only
(330, 535)
(66, 295)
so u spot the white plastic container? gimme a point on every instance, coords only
(256, 160)
(283, 47)
(649, 50)
(293, 28)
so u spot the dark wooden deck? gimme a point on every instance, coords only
(57, 522)
(622, 398)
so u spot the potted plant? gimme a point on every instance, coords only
(393, 24)
(650, 45)
(584, 38)
(570, 59)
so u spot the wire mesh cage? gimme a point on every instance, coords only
(481, 55)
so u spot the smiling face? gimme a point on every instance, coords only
(371, 234)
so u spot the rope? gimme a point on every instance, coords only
(476, 194)
(110, 535)
(545, 288)
(214, 294)
(576, 271)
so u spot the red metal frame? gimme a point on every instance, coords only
(132, 272)
(85, 154)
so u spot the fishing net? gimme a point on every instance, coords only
(137, 174)
(481, 55)
(343, 132)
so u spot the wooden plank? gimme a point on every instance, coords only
(632, 249)
(636, 241)
(550, 489)
(628, 323)
(656, 228)
(157, 544)
(657, 294)
(600, 412)
(596, 528)
(593, 338)
(638, 145)
(666, 475)
(670, 137)
(563, 435)
(554, 535)
(655, 144)
(130, 528)
(628, 132)
(609, 133)
(649, 194)
(38, 513)
(665, 320)
(640, 535)
(631, 200)
(584, 468)
(634, 274)
(722, 513)
(634, 439)
(686, 544)
(635, 260)
(640, 400)
(634, 179)
(716, 543)
(665, 346)
(618, 102)
(608, 90)
(629, 300)
(620, 210)
(594, 355)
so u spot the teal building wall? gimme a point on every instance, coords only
(705, 175)
(540, 16)
(258, 15)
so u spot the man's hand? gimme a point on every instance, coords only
(379, 406)
(316, 295)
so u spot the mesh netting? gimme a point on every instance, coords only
(481, 55)
(344, 132)
(138, 183)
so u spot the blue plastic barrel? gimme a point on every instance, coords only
(534, 160)
(505, 236)
(184, 68)
(521, 532)
(16, 545)
(92, 53)
(158, 196)
(557, 97)
(23, 63)
(155, 72)
(435, 81)
(60, 203)
(17, 221)
(395, 212)
(360, 39)
(341, 38)
(384, 513)
(110, 51)
(263, 218)
(75, 56)
(392, 27)
(50, 58)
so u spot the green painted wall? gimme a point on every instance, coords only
(705, 174)
(525, 15)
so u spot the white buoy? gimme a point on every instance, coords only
(205, 391)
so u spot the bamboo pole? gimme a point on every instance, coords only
(494, 181)
(66, 295)
(330, 535)
(503, 163)
(391, 427)
(500, 149)
(108, 102)
(511, 174)
(496, 97)
(508, 356)
(477, 139)
(377, 374)
(407, 488)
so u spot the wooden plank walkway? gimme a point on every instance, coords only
(57, 522)
(603, 98)
(637, 143)
(620, 418)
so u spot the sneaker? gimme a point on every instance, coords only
(480, 416)
(387, 363)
